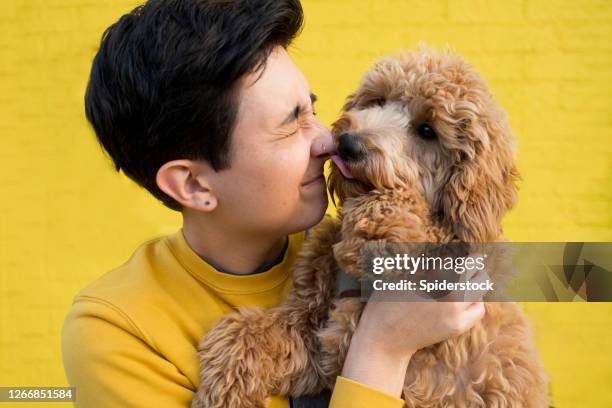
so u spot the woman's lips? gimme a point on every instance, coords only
(341, 166)
(314, 180)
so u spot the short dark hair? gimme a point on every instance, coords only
(163, 85)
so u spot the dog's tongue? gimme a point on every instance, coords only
(341, 166)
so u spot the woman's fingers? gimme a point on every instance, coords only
(473, 313)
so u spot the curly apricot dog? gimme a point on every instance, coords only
(425, 155)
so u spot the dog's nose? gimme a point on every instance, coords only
(350, 148)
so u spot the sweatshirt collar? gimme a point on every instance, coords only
(230, 283)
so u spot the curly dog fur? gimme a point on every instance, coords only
(435, 164)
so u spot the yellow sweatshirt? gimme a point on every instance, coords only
(130, 338)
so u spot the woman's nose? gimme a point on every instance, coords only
(323, 144)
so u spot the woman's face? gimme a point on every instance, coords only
(278, 148)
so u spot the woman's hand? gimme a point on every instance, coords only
(389, 333)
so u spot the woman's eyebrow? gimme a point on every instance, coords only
(295, 113)
(313, 98)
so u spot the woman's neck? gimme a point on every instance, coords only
(232, 251)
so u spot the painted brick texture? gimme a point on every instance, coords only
(66, 217)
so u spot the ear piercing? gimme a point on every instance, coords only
(206, 202)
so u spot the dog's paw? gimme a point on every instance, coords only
(245, 358)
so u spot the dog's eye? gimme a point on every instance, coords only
(426, 132)
(378, 101)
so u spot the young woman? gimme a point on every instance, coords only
(198, 102)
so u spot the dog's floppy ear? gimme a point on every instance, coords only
(350, 102)
(385, 81)
(482, 185)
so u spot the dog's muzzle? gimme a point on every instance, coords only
(350, 147)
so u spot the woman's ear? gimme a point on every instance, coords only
(482, 188)
(186, 182)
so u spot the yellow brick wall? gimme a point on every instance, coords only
(66, 217)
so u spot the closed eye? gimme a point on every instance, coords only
(303, 122)
(299, 110)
